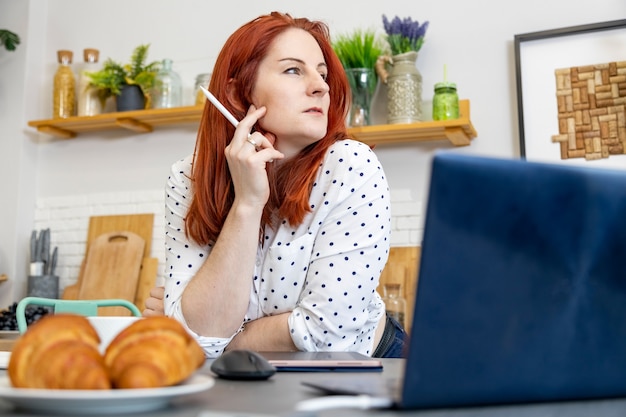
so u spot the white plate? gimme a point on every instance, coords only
(4, 359)
(88, 402)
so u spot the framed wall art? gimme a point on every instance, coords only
(571, 94)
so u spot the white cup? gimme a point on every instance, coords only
(108, 327)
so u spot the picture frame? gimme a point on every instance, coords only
(538, 55)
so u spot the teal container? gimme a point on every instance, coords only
(445, 101)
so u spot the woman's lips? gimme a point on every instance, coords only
(314, 110)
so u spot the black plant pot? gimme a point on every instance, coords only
(131, 98)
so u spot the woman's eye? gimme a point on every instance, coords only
(293, 70)
(324, 76)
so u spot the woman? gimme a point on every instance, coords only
(277, 231)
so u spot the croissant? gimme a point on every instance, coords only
(58, 351)
(152, 352)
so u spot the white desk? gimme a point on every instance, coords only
(279, 395)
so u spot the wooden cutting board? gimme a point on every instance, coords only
(141, 224)
(147, 280)
(402, 268)
(112, 268)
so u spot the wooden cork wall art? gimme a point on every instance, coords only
(571, 94)
(591, 102)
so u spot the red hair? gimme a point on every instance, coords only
(291, 183)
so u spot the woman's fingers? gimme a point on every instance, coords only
(264, 146)
(157, 292)
(154, 303)
(254, 141)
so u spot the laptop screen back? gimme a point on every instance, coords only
(522, 285)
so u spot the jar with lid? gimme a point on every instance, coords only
(395, 304)
(445, 101)
(168, 89)
(202, 80)
(89, 103)
(64, 89)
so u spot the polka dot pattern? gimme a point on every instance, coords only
(325, 271)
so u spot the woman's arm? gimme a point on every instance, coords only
(215, 300)
(270, 333)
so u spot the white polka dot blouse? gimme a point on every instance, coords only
(324, 271)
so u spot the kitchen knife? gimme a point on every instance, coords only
(38, 247)
(45, 250)
(33, 246)
(53, 261)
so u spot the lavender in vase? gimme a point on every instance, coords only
(404, 35)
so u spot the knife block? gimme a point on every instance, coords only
(45, 286)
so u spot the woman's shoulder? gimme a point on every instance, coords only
(180, 173)
(183, 165)
(350, 145)
(353, 152)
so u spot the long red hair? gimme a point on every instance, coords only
(291, 183)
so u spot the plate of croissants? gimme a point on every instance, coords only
(58, 366)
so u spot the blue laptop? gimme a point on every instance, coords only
(522, 286)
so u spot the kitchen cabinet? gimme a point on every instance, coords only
(459, 131)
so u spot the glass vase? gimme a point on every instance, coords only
(395, 304)
(362, 85)
(168, 89)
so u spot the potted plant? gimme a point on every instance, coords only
(130, 83)
(9, 39)
(358, 52)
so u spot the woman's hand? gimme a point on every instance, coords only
(154, 303)
(247, 154)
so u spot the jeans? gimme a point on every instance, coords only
(393, 343)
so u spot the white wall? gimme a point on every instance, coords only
(473, 38)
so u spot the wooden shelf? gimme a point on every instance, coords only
(138, 121)
(459, 132)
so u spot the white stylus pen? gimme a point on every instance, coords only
(227, 114)
(220, 107)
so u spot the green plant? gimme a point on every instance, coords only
(113, 76)
(9, 39)
(360, 49)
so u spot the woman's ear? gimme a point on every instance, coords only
(233, 97)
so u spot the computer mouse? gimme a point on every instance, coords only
(242, 364)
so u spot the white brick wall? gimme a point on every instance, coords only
(68, 220)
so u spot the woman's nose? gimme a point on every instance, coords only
(318, 86)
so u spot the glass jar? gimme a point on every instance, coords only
(64, 89)
(445, 101)
(395, 304)
(168, 89)
(202, 80)
(89, 103)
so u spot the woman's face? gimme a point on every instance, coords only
(291, 85)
